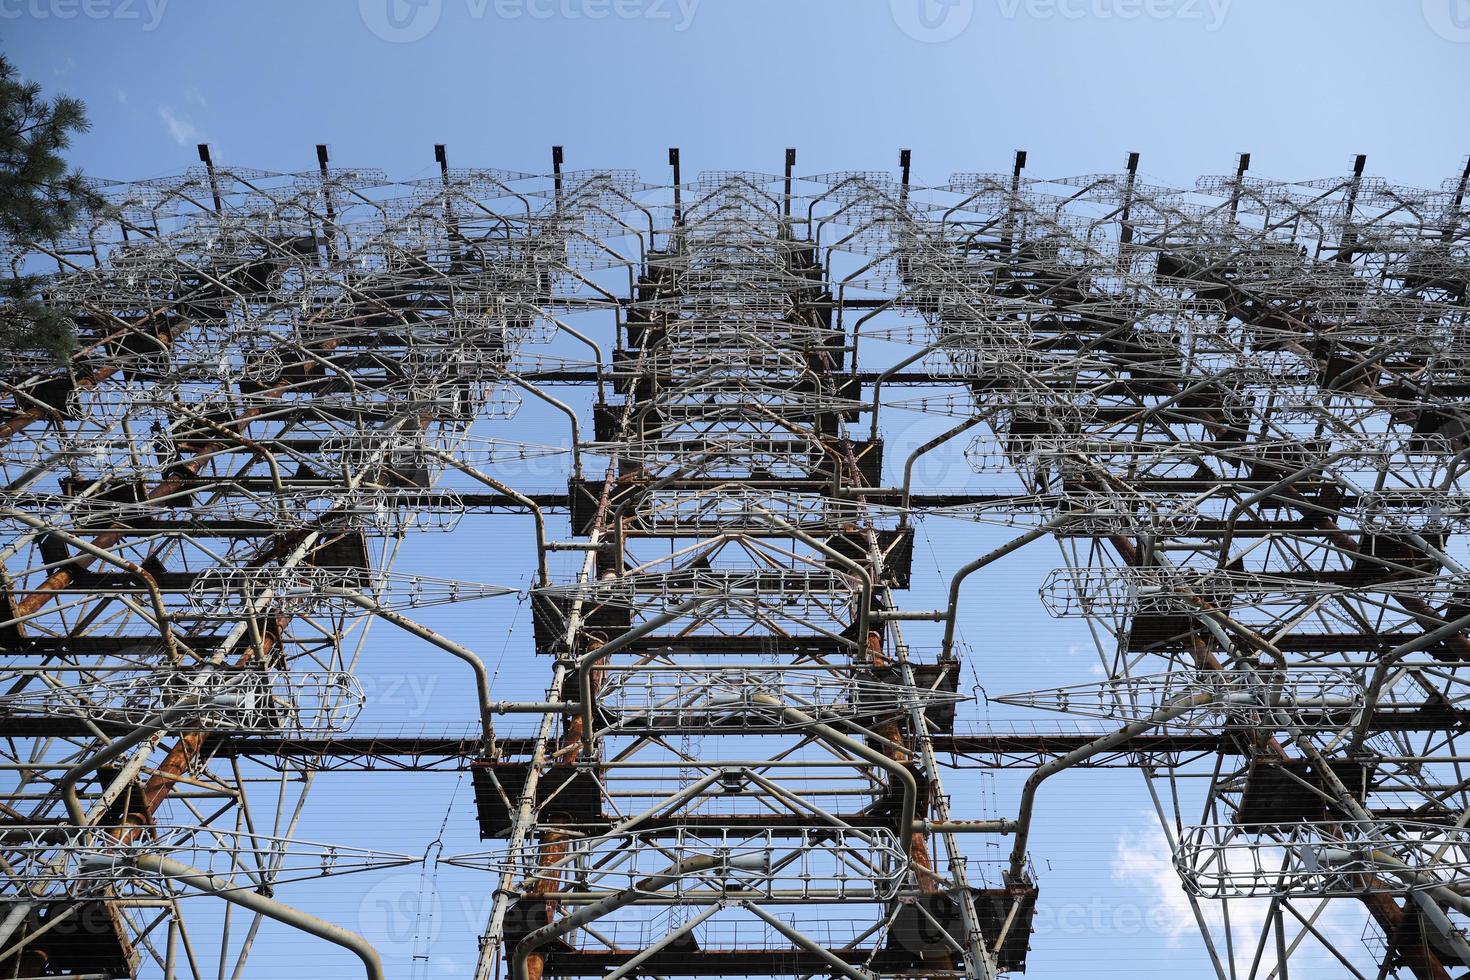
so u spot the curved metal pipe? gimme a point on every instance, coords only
(1240, 508)
(67, 784)
(1330, 779)
(160, 611)
(482, 677)
(908, 464)
(1392, 657)
(543, 574)
(586, 662)
(259, 904)
(1028, 792)
(620, 509)
(953, 614)
(596, 353)
(888, 373)
(562, 407)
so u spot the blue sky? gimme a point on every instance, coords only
(1078, 83)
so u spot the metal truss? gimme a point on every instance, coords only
(1316, 859)
(100, 862)
(1237, 409)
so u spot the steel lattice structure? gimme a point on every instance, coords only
(1241, 409)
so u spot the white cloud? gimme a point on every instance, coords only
(183, 132)
(1142, 861)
